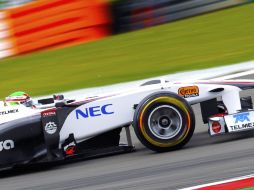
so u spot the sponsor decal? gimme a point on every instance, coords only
(6, 145)
(240, 121)
(216, 127)
(50, 128)
(188, 91)
(49, 113)
(242, 126)
(241, 117)
(9, 111)
(70, 148)
(94, 111)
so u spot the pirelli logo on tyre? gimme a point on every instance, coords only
(188, 91)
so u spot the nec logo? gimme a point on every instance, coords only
(94, 111)
(241, 117)
(6, 145)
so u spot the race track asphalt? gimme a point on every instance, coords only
(204, 159)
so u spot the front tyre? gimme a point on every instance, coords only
(164, 121)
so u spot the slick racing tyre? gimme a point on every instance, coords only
(164, 121)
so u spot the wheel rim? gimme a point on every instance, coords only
(165, 122)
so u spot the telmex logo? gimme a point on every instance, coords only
(241, 117)
(188, 91)
(6, 145)
(94, 111)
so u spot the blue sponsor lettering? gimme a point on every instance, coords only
(94, 111)
(241, 117)
(105, 111)
(83, 114)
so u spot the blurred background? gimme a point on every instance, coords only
(50, 46)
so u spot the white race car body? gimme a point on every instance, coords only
(89, 119)
(77, 121)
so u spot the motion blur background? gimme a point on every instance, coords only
(49, 46)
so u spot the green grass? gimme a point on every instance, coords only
(214, 39)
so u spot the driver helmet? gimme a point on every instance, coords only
(19, 98)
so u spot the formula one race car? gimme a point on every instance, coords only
(160, 112)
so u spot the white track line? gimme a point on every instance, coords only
(235, 75)
(219, 182)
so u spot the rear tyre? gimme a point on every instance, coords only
(164, 121)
